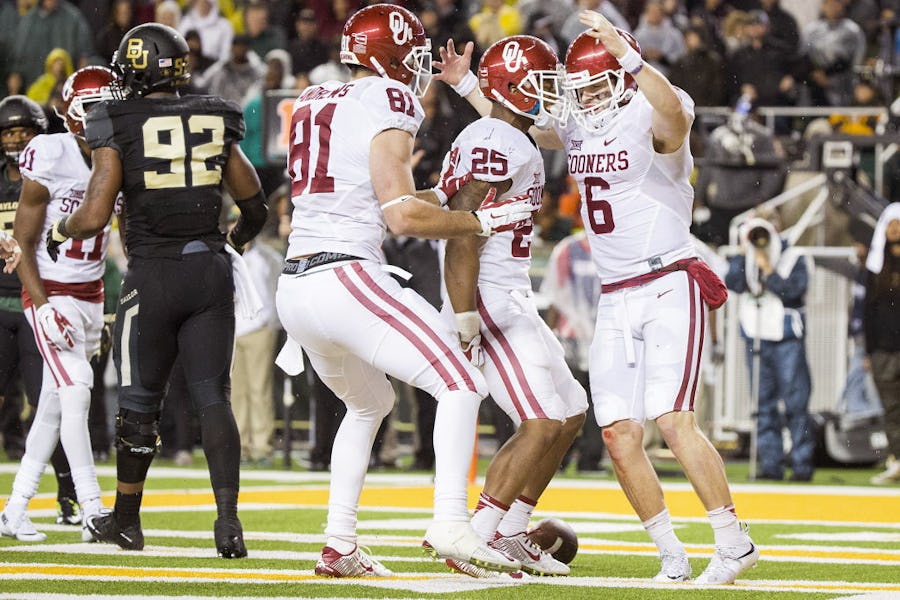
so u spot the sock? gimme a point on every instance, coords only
(726, 528)
(343, 544)
(454, 440)
(42, 439)
(128, 508)
(351, 450)
(663, 534)
(75, 402)
(65, 488)
(87, 488)
(24, 487)
(488, 515)
(518, 517)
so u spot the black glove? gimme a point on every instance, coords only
(56, 236)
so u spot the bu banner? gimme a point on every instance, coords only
(277, 107)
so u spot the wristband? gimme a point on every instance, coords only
(58, 231)
(465, 86)
(399, 200)
(631, 61)
(441, 196)
(468, 324)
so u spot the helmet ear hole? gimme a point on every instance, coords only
(522, 73)
(390, 41)
(152, 57)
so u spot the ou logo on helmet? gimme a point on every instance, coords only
(513, 56)
(400, 28)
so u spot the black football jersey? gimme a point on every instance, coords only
(9, 200)
(173, 152)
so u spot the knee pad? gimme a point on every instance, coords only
(137, 433)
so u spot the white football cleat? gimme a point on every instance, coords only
(458, 541)
(534, 560)
(481, 573)
(730, 561)
(355, 564)
(891, 473)
(674, 568)
(22, 529)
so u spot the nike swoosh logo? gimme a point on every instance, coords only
(661, 294)
(534, 557)
(608, 142)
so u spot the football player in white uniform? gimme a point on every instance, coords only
(349, 160)
(63, 301)
(496, 318)
(627, 148)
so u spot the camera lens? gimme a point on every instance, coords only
(759, 237)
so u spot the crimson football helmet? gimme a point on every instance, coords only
(389, 40)
(523, 74)
(590, 65)
(84, 88)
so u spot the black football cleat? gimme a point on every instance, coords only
(67, 511)
(229, 538)
(105, 528)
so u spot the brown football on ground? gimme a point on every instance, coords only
(557, 538)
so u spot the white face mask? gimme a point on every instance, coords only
(418, 61)
(597, 99)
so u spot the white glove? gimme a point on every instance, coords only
(502, 215)
(468, 325)
(473, 351)
(55, 327)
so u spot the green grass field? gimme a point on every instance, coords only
(837, 538)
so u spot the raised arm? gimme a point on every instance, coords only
(454, 69)
(670, 121)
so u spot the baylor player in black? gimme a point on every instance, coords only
(170, 156)
(21, 119)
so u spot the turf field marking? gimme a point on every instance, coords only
(772, 553)
(429, 583)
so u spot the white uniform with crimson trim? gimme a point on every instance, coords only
(350, 316)
(524, 362)
(74, 283)
(645, 357)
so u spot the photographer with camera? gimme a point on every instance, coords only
(772, 280)
(743, 166)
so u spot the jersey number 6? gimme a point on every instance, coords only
(599, 211)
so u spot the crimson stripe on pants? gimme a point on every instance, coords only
(417, 320)
(395, 323)
(55, 365)
(505, 377)
(702, 307)
(686, 376)
(513, 361)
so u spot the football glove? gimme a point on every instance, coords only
(503, 215)
(450, 184)
(229, 239)
(468, 325)
(56, 236)
(56, 329)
